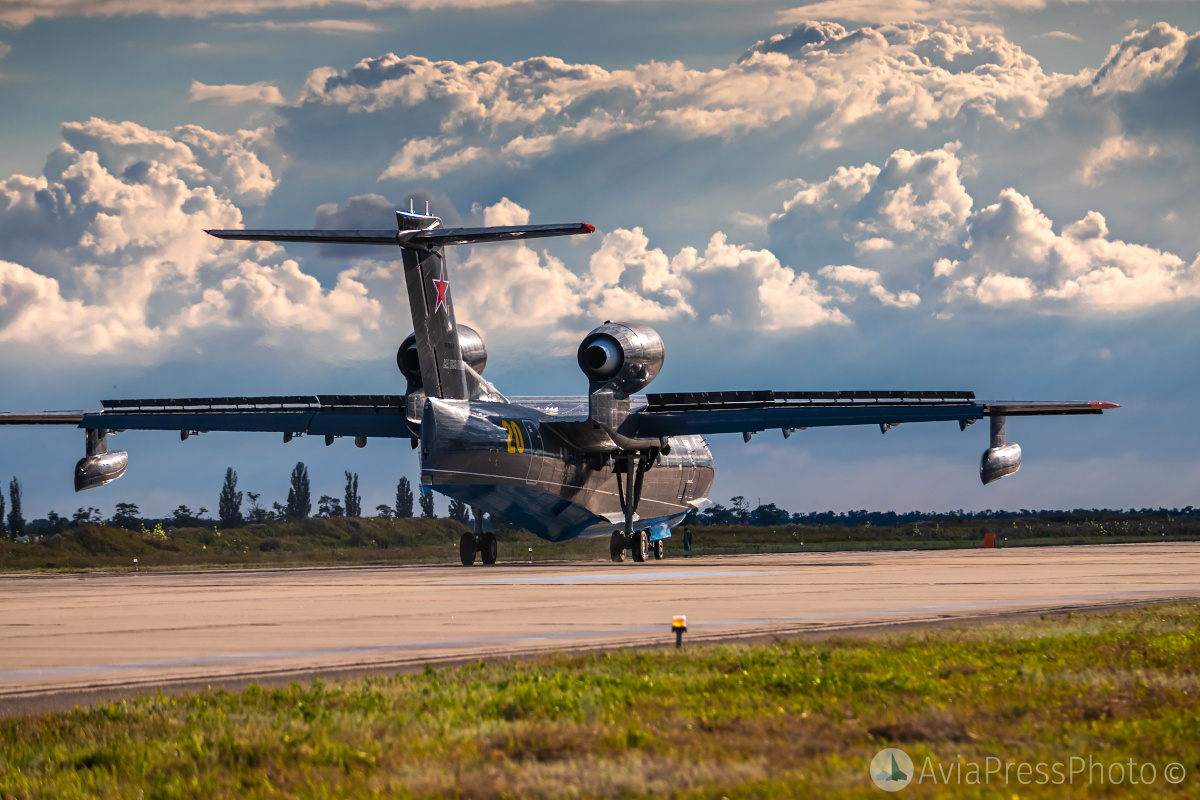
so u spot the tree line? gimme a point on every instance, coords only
(738, 512)
(236, 508)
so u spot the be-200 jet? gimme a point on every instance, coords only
(614, 462)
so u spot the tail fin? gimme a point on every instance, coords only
(442, 369)
(421, 238)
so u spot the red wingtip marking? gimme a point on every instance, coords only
(1102, 404)
(589, 228)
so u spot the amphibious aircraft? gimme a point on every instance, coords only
(612, 462)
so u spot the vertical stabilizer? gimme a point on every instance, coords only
(428, 282)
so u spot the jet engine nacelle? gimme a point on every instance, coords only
(1000, 459)
(474, 353)
(628, 354)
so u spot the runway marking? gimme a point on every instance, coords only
(532, 638)
(620, 576)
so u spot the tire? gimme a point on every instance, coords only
(641, 546)
(466, 549)
(616, 547)
(660, 549)
(488, 548)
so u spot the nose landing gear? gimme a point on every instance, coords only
(629, 491)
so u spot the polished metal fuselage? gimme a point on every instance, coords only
(506, 459)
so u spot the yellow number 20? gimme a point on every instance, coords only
(516, 441)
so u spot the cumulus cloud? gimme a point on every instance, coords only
(820, 75)
(915, 200)
(913, 219)
(513, 286)
(5, 49)
(1015, 255)
(106, 251)
(233, 94)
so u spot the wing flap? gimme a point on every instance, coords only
(748, 412)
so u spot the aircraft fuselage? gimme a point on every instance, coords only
(506, 459)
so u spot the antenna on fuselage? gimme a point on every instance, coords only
(410, 206)
(427, 208)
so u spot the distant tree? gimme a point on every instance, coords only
(404, 499)
(299, 503)
(329, 507)
(427, 505)
(460, 511)
(16, 522)
(3, 527)
(57, 523)
(770, 514)
(279, 513)
(383, 511)
(84, 516)
(229, 504)
(126, 516)
(257, 514)
(353, 501)
(182, 517)
(741, 510)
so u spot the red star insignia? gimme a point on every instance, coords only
(442, 285)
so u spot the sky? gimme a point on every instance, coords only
(991, 195)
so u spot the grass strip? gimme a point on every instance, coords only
(786, 719)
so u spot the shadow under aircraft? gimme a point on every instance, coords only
(613, 462)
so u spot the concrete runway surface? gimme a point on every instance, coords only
(85, 635)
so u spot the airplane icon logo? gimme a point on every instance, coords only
(891, 769)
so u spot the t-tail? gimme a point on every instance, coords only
(422, 239)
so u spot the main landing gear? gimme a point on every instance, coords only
(480, 542)
(629, 490)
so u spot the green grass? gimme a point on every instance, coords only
(318, 542)
(787, 719)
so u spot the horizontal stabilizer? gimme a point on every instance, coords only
(420, 239)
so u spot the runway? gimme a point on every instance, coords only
(89, 634)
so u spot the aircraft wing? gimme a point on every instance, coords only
(750, 412)
(328, 415)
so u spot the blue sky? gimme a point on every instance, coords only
(996, 196)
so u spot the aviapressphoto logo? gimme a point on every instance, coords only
(892, 770)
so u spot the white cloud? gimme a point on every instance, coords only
(107, 252)
(1059, 35)
(870, 279)
(329, 26)
(1109, 154)
(233, 94)
(1142, 57)
(1015, 255)
(18, 13)
(915, 212)
(510, 287)
(915, 200)
(885, 11)
(431, 158)
(5, 49)
(819, 76)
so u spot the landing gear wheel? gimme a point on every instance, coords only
(640, 546)
(466, 549)
(616, 547)
(487, 546)
(659, 550)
